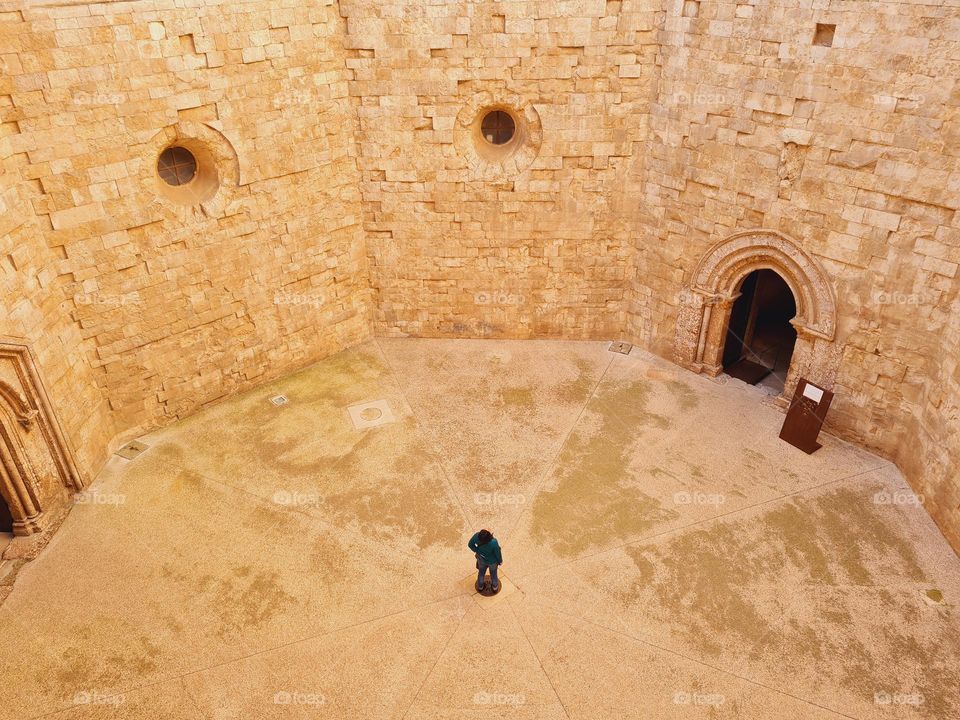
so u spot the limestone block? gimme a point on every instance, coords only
(941, 267)
(253, 54)
(72, 217)
(878, 218)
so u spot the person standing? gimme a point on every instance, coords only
(487, 550)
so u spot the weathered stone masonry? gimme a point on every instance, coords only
(352, 195)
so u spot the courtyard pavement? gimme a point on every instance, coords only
(667, 556)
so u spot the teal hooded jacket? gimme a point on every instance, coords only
(489, 553)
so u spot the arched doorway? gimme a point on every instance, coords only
(760, 337)
(706, 306)
(6, 518)
(6, 525)
(37, 471)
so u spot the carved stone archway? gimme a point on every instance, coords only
(706, 302)
(37, 471)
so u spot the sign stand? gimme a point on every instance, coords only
(808, 409)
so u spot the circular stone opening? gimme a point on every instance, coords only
(177, 166)
(498, 127)
(497, 137)
(186, 172)
(371, 414)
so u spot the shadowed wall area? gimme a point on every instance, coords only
(344, 189)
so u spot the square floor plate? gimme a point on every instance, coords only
(370, 414)
(621, 347)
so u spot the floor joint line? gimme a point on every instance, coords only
(420, 426)
(704, 521)
(434, 666)
(539, 661)
(257, 653)
(548, 471)
(679, 654)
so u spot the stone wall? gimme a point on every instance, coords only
(32, 305)
(177, 301)
(354, 195)
(664, 127)
(851, 150)
(929, 453)
(467, 244)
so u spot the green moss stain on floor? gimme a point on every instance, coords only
(307, 435)
(697, 578)
(240, 598)
(713, 589)
(577, 391)
(399, 504)
(684, 395)
(594, 502)
(832, 539)
(309, 452)
(393, 488)
(298, 440)
(392, 513)
(79, 667)
(246, 599)
(518, 397)
(519, 403)
(341, 379)
(186, 482)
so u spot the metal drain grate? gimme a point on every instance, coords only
(132, 449)
(279, 400)
(621, 347)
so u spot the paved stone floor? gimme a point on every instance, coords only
(666, 556)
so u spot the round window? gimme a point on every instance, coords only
(177, 166)
(498, 127)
